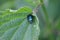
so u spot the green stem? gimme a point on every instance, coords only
(45, 12)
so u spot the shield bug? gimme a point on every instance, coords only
(30, 18)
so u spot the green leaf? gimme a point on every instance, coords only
(15, 26)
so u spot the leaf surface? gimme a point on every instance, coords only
(15, 26)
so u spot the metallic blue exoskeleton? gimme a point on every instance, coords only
(30, 18)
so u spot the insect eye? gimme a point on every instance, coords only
(30, 18)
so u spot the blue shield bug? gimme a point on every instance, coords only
(30, 18)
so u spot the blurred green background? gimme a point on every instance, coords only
(49, 25)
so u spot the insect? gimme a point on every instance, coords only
(30, 18)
